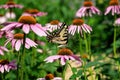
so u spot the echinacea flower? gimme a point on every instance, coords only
(117, 22)
(79, 26)
(87, 10)
(53, 25)
(11, 4)
(34, 12)
(2, 48)
(17, 40)
(50, 77)
(27, 23)
(113, 7)
(5, 65)
(3, 19)
(64, 54)
(10, 15)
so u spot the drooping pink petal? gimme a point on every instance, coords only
(26, 28)
(30, 42)
(62, 61)
(1, 52)
(17, 45)
(1, 68)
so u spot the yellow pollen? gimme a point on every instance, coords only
(114, 2)
(27, 20)
(49, 76)
(88, 3)
(19, 36)
(78, 22)
(65, 51)
(3, 62)
(54, 22)
(32, 11)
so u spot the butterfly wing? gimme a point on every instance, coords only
(61, 36)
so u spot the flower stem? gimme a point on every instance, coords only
(114, 43)
(22, 58)
(86, 43)
(18, 65)
(89, 45)
(80, 45)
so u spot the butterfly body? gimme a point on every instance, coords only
(60, 37)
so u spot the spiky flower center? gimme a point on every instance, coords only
(65, 51)
(54, 22)
(3, 62)
(10, 2)
(114, 2)
(88, 3)
(1, 15)
(27, 20)
(78, 22)
(49, 76)
(19, 36)
(32, 11)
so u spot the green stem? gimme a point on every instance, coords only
(89, 45)
(114, 43)
(22, 58)
(80, 45)
(84, 69)
(86, 43)
(18, 66)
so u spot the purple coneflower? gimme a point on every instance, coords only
(50, 77)
(3, 49)
(5, 65)
(17, 40)
(53, 25)
(117, 22)
(3, 19)
(11, 4)
(79, 26)
(113, 7)
(87, 10)
(27, 23)
(34, 12)
(64, 54)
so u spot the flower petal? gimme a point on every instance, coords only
(26, 28)
(17, 45)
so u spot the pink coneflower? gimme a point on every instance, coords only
(79, 26)
(87, 10)
(27, 23)
(64, 54)
(50, 77)
(117, 22)
(113, 7)
(3, 49)
(17, 40)
(34, 12)
(11, 4)
(5, 65)
(53, 25)
(3, 19)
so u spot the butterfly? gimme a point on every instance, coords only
(60, 36)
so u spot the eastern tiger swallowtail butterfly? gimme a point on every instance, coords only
(60, 36)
